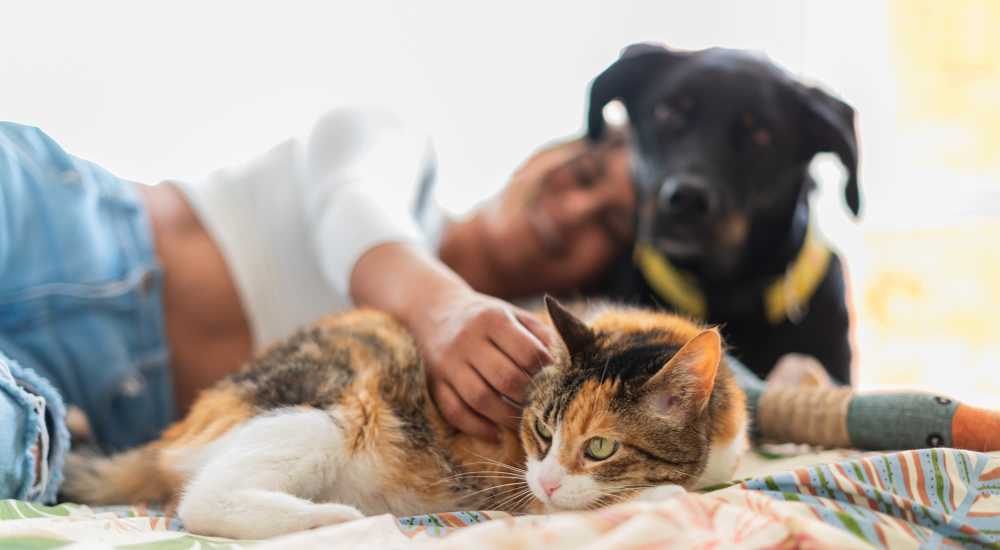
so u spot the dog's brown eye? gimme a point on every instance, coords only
(665, 114)
(761, 137)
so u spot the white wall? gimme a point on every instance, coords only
(156, 90)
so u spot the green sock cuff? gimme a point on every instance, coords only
(895, 421)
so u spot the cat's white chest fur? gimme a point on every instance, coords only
(723, 460)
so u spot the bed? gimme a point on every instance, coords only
(785, 498)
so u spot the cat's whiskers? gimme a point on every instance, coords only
(488, 475)
(508, 470)
(600, 382)
(604, 371)
(488, 460)
(473, 481)
(516, 505)
(496, 488)
(516, 498)
(480, 474)
(490, 497)
(517, 417)
(506, 494)
(489, 472)
(510, 491)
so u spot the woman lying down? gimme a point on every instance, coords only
(162, 292)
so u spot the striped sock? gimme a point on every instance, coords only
(837, 417)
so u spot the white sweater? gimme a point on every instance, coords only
(293, 222)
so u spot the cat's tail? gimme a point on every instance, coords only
(129, 477)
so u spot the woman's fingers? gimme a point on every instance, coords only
(482, 398)
(458, 414)
(524, 339)
(506, 377)
(540, 329)
(480, 353)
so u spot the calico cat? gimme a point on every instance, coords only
(336, 422)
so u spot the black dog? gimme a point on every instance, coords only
(721, 142)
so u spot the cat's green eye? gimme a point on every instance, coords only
(542, 430)
(600, 448)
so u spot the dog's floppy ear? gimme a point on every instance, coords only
(623, 80)
(829, 128)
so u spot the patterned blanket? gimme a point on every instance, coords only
(916, 499)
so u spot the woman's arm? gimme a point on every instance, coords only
(362, 170)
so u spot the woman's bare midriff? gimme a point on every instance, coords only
(207, 330)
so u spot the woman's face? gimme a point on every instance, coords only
(565, 215)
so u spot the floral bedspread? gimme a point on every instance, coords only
(930, 498)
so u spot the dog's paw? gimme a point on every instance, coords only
(659, 493)
(795, 369)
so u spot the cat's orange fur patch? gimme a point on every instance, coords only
(628, 321)
(364, 414)
(216, 411)
(587, 416)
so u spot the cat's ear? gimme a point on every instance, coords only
(689, 376)
(574, 333)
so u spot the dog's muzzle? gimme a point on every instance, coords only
(686, 198)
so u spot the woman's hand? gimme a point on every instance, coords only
(480, 352)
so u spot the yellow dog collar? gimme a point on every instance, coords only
(785, 298)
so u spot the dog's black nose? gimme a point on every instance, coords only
(686, 197)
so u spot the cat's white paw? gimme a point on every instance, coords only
(658, 493)
(258, 518)
(322, 515)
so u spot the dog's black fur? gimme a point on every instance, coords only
(721, 142)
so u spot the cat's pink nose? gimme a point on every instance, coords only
(549, 485)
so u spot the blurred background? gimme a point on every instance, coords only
(173, 90)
